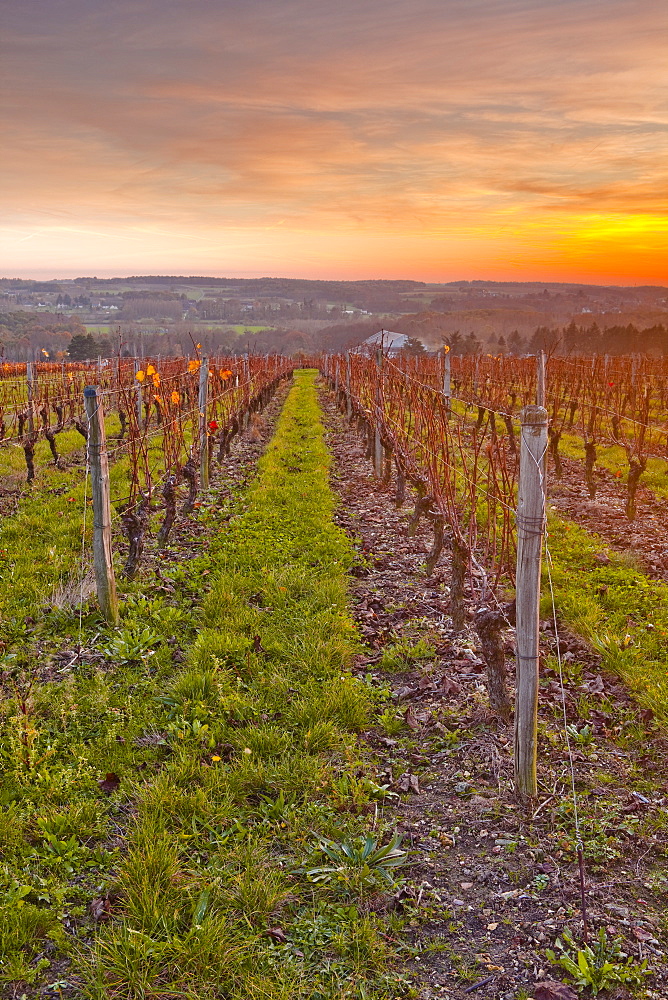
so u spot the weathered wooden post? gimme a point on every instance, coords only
(540, 378)
(447, 391)
(530, 531)
(349, 405)
(139, 393)
(30, 381)
(203, 428)
(377, 443)
(99, 474)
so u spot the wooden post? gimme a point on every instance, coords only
(30, 380)
(540, 378)
(530, 531)
(377, 443)
(99, 474)
(203, 428)
(447, 390)
(349, 407)
(139, 394)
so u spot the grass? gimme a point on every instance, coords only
(41, 542)
(224, 770)
(616, 607)
(12, 458)
(614, 459)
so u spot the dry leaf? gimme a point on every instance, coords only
(551, 990)
(277, 934)
(110, 783)
(100, 908)
(408, 783)
(448, 686)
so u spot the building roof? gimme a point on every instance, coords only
(391, 342)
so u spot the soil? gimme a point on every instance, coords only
(493, 883)
(646, 536)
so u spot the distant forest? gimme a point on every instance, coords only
(26, 335)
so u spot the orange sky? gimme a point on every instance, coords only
(432, 139)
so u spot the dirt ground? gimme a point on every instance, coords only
(646, 536)
(493, 884)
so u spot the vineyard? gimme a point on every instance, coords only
(338, 678)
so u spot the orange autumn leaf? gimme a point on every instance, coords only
(176, 399)
(156, 379)
(226, 374)
(150, 370)
(140, 376)
(193, 365)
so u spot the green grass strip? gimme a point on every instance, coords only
(615, 606)
(41, 542)
(215, 899)
(614, 459)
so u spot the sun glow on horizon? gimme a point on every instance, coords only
(310, 141)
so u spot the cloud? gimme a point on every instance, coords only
(438, 119)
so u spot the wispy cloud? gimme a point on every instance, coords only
(414, 127)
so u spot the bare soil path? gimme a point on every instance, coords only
(646, 537)
(493, 885)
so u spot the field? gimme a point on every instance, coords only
(287, 770)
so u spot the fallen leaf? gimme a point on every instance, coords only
(277, 934)
(448, 686)
(100, 908)
(411, 719)
(551, 990)
(595, 686)
(416, 720)
(408, 783)
(110, 783)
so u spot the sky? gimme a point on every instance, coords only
(428, 139)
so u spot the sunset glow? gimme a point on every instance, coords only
(437, 139)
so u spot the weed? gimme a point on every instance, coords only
(131, 645)
(597, 968)
(358, 866)
(398, 655)
(391, 722)
(583, 736)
